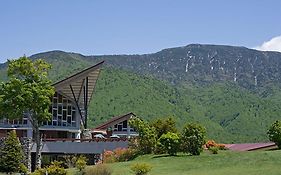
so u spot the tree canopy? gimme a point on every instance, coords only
(27, 94)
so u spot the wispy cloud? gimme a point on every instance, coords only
(272, 45)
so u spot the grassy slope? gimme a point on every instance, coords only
(226, 162)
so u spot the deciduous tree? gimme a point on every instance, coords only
(163, 126)
(147, 136)
(27, 94)
(193, 138)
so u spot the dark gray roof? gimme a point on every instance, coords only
(69, 147)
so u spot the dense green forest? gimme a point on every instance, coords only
(229, 111)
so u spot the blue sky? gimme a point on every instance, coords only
(133, 27)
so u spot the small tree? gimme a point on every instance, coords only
(274, 133)
(163, 126)
(147, 136)
(170, 142)
(193, 138)
(141, 168)
(11, 154)
(27, 93)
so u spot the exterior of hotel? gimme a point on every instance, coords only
(69, 108)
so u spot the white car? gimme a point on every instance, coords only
(100, 136)
(115, 136)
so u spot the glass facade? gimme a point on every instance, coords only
(63, 110)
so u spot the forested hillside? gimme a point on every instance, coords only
(184, 84)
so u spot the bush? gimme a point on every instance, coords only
(125, 154)
(81, 163)
(109, 157)
(22, 168)
(159, 149)
(212, 143)
(214, 150)
(99, 169)
(54, 169)
(170, 142)
(70, 161)
(193, 138)
(41, 171)
(119, 155)
(141, 168)
(274, 133)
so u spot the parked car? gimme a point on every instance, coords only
(99, 136)
(115, 136)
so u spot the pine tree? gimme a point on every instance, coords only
(11, 154)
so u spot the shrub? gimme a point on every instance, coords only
(212, 143)
(214, 150)
(109, 157)
(81, 163)
(141, 168)
(119, 155)
(99, 169)
(170, 142)
(41, 171)
(70, 161)
(11, 154)
(22, 168)
(54, 169)
(193, 138)
(125, 154)
(159, 149)
(274, 133)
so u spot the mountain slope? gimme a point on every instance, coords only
(169, 83)
(204, 64)
(230, 113)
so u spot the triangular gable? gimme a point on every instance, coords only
(79, 88)
(115, 120)
(76, 83)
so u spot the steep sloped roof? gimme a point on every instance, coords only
(115, 120)
(73, 86)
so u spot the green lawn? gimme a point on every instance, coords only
(225, 163)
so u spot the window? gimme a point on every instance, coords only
(64, 112)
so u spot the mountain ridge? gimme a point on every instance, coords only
(231, 111)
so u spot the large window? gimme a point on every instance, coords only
(122, 126)
(63, 111)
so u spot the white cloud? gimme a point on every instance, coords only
(272, 45)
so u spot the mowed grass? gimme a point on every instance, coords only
(224, 163)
